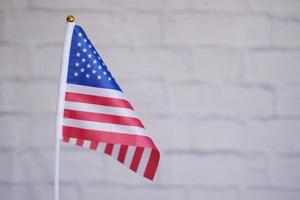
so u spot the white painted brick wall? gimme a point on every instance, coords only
(222, 97)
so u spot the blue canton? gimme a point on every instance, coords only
(85, 64)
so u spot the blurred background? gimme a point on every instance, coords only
(216, 83)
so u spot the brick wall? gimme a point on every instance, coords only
(222, 82)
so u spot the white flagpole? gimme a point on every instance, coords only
(61, 95)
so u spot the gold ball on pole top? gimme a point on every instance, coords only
(70, 18)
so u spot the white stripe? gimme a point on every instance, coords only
(144, 161)
(101, 147)
(100, 109)
(129, 155)
(104, 92)
(72, 140)
(115, 151)
(86, 144)
(99, 126)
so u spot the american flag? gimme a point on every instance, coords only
(93, 111)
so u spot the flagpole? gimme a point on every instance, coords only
(63, 74)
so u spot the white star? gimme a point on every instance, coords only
(103, 63)
(79, 34)
(104, 72)
(76, 74)
(94, 52)
(88, 66)
(94, 61)
(84, 49)
(77, 54)
(99, 67)
(77, 64)
(84, 40)
(81, 70)
(90, 46)
(79, 44)
(99, 58)
(82, 60)
(94, 71)
(109, 78)
(99, 77)
(90, 55)
(87, 76)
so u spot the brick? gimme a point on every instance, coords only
(81, 165)
(56, 4)
(270, 193)
(137, 63)
(116, 5)
(215, 5)
(274, 135)
(218, 135)
(282, 8)
(7, 160)
(212, 193)
(13, 61)
(170, 5)
(147, 193)
(130, 29)
(213, 169)
(15, 191)
(13, 128)
(287, 101)
(42, 191)
(284, 170)
(216, 64)
(45, 191)
(14, 95)
(20, 3)
(42, 131)
(46, 61)
(5, 4)
(45, 93)
(2, 23)
(216, 100)
(34, 166)
(286, 33)
(17, 96)
(13, 4)
(6, 191)
(27, 191)
(273, 67)
(257, 169)
(207, 169)
(18, 23)
(170, 133)
(68, 192)
(194, 29)
(98, 27)
(151, 100)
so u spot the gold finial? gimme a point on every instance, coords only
(70, 18)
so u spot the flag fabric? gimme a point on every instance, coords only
(93, 111)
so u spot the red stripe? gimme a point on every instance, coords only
(99, 117)
(66, 139)
(122, 153)
(108, 148)
(152, 164)
(79, 142)
(108, 137)
(94, 145)
(136, 158)
(106, 101)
